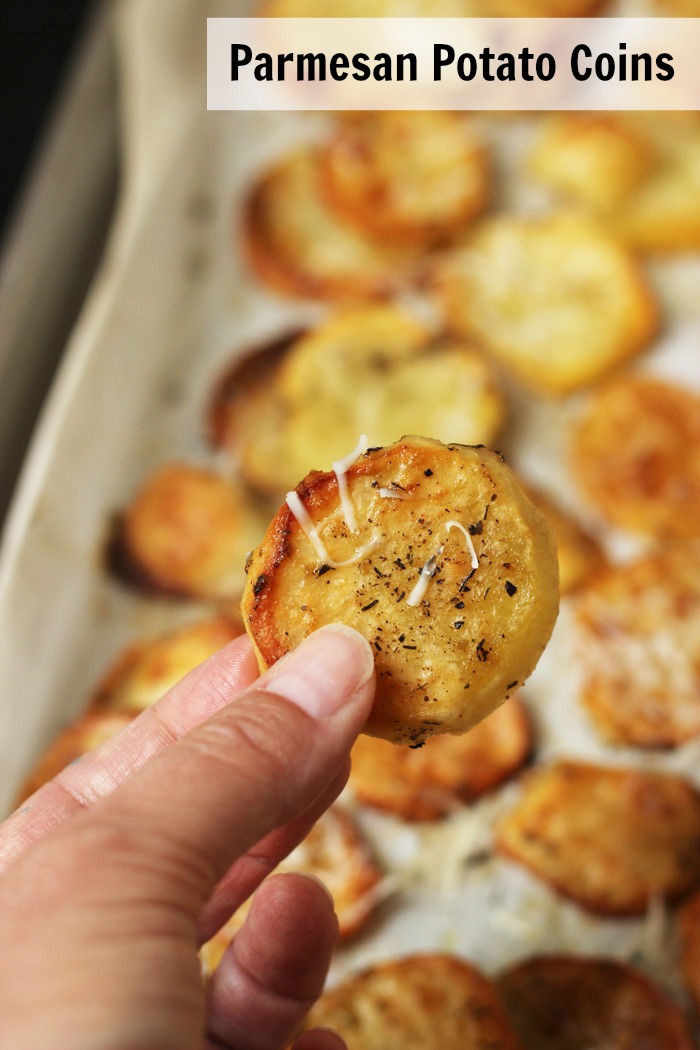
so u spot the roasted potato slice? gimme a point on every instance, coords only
(556, 299)
(186, 533)
(386, 546)
(639, 627)
(610, 839)
(640, 172)
(580, 556)
(407, 178)
(368, 8)
(430, 782)
(421, 1002)
(297, 244)
(563, 1002)
(146, 670)
(636, 456)
(403, 380)
(82, 735)
(335, 851)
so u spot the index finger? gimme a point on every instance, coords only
(199, 695)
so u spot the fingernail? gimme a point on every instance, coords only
(321, 675)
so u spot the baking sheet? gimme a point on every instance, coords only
(169, 308)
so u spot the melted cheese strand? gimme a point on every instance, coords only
(311, 532)
(428, 571)
(472, 551)
(392, 494)
(340, 469)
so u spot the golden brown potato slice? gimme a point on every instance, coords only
(407, 178)
(610, 839)
(146, 670)
(428, 783)
(435, 555)
(369, 8)
(298, 245)
(285, 409)
(421, 1002)
(556, 299)
(81, 736)
(336, 852)
(187, 533)
(640, 172)
(404, 380)
(639, 629)
(636, 456)
(689, 928)
(579, 554)
(561, 1002)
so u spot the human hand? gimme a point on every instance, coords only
(120, 868)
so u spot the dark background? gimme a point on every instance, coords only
(37, 38)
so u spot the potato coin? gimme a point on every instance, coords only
(610, 839)
(434, 554)
(563, 1002)
(422, 1002)
(556, 299)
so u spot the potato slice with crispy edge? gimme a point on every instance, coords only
(564, 1002)
(610, 839)
(335, 851)
(147, 669)
(297, 245)
(452, 577)
(186, 533)
(431, 782)
(407, 178)
(639, 642)
(83, 735)
(635, 454)
(555, 298)
(420, 1002)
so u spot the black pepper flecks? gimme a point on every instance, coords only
(259, 585)
(322, 570)
(476, 529)
(482, 654)
(510, 588)
(371, 605)
(428, 473)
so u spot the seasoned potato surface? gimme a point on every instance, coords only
(436, 556)
(563, 1002)
(639, 627)
(610, 839)
(636, 456)
(422, 1002)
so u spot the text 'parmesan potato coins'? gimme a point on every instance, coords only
(639, 642)
(610, 839)
(562, 1002)
(556, 299)
(336, 852)
(435, 555)
(298, 245)
(432, 781)
(81, 736)
(146, 670)
(421, 1002)
(187, 533)
(636, 456)
(407, 178)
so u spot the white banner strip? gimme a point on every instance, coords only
(453, 63)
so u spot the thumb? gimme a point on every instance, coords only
(123, 883)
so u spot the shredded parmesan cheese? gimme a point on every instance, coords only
(311, 532)
(340, 469)
(428, 571)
